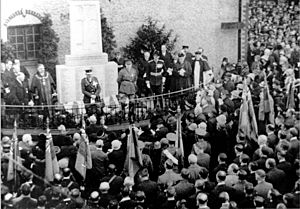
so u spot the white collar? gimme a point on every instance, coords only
(125, 199)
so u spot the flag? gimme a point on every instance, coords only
(51, 167)
(83, 158)
(179, 142)
(247, 121)
(266, 105)
(134, 159)
(290, 95)
(14, 161)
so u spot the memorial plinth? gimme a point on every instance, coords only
(86, 51)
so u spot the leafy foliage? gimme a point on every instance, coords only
(108, 37)
(48, 46)
(7, 51)
(150, 36)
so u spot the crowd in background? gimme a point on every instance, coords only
(219, 165)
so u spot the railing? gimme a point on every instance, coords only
(135, 110)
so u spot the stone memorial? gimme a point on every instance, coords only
(86, 51)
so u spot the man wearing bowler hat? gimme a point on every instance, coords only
(91, 89)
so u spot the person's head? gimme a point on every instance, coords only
(238, 149)
(224, 197)
(155, 56)
(25, 189)
(221, 176)
(181, 57)
(185, 173)
(260, 175)
(104, 187)
(270, 163)
(169, 164)
(185, 48)
(94, 197)
(41, 68)
(262, 140)
(41, 202)
(259, 201)
(242, 174)
(233, 169)
(270, 128)
(144, 175)
(198, 54)
(202, 199)
(203, 173)
(244, 159)
(147, 55)
(8, 64)
(16, 69)
(111, 169)
(192, 159)
(171, 192)
(222, 158)
(163, 48)
(128, 63)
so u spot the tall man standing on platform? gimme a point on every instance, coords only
(91, 89)
(156, 75)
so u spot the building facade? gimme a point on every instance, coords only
(196, 22)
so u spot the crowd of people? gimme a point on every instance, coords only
(219, 165)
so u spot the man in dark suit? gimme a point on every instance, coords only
(19, 93)
(294, 144)
(115, 181)
(220, 187)
(276, 176)
(156, 74)
(262, 188)
(170, 202)
(25, 201)
(272, 138)
(199, 65)
(143, 67)
(188, 55)
(222, 166)
(150, 188)
(184, 188)
(169, 177)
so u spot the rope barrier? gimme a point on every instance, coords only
(101, 103)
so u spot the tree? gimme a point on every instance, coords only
(7, 51)
(108, 37)
(150, 36)
(48, 46)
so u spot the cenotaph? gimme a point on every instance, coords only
(86, 51)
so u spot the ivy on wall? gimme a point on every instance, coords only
(108, 37)
(7, 51)
(150, 36)
(48, 46)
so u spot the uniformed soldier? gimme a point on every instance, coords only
(156, 74)
(91, 89)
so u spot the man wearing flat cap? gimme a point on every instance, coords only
(90, 88)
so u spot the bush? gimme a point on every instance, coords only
(151, 37)
(48, 46)
(7, 51)
(108, 37)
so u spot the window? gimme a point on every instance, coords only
(24, 39)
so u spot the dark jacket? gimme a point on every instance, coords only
(19, 94)
(155, 72)
(203, 67)
(185, 80)
(24, 202)
(117, 158)
(277, 177)
(150, 188)
(184, 189)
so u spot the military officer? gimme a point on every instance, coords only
(91, 89)
(156, 74)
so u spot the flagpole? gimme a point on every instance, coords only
(15, 141)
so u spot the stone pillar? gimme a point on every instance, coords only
(86, 51)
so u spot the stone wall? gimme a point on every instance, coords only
(197, 22)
